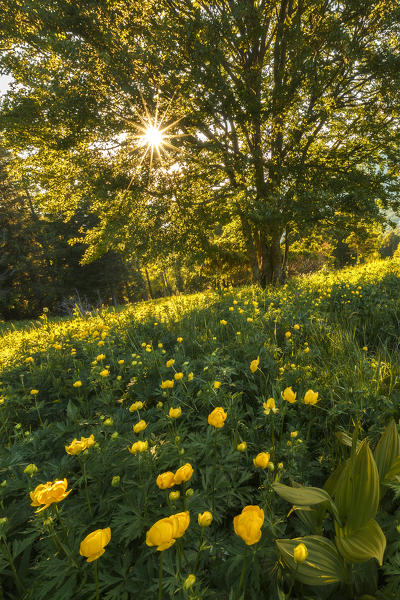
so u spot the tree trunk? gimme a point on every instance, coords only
(149, 288)
(269, 258)
(250, 249)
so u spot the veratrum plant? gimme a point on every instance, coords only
(352, 495)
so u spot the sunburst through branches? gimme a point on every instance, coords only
(154, 134)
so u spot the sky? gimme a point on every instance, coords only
(4, 81)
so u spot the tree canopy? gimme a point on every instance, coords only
(281, 115)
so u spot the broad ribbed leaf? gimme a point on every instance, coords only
(323, 564)
(362, 545)
(305, 496)
(387, 450)
(357, 491)
(393, 472)
(346, 439)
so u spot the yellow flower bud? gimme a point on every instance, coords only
(166, 480)
(205, 519)
(140, 426)
(254, 364)
(300, 553)
(174, 495)
(175, 413)
(189, 582)
(183, 473)
(242, 447)
(261, 460)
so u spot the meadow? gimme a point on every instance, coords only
(233, 444)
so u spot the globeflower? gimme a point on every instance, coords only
(140, 426)
(261, 460)
(217, 385)
(139, 447)
(270, 405)
(248, 524)
(34, 392)
(77, 446)
(30, 469)
(48, 493)
(175, 413)
(289, 395)
(223, 322)
(166, 480)
(170, 362)
(242, 447)
(217, 417)
(184, 473)
(178, 376)
(167, 384)
(136, 406)
(254, 364)
(300, 553)
(205, 519)
(165, 532)
(311, 397)
(77, 384)
(190, 376)
(189, 581)
(174, 495)
(104, 373)
(92, 547)
(179, 340)
(288, 335)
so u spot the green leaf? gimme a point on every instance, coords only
(387, 450)
(346, 439)
(323, 564)
(357, 491)
(393, 472)
(305, 496)
(362, 545)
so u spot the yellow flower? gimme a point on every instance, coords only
(217, 385)
(190, 376)
(294, 434)
(48, 493)
(77, 446)
(178, 376)
(280, 466)
(167, 384)
(165, 480)
(270, 405)
(174, 495)
(104, 373)
(34, 392)
(183, 473)
(307, 350)
(179, 339)
(205, 519)
(175, 413)
(217, 417)
(254, 364)
(30, 469)
(242, 447)
(289, 395)
(311, 397)
(92, 547)
(288, 335)
(300, 553)
(29, 359)
(261, 460)
(164, 532)
(139, 447)
(159, 345)
(189, 582)
(170, 362)
(121, 362)
(136, 406)
(100, 357)
(296, 327)
(365, 348)
(140, 426)
(249, 319)
(223, 322)
(77, 383)
(57, 346)
(248, 524)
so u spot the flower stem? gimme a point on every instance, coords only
(160, 575)
(83, 466)
(96, 578)
(214, 471)
(198, 552)
(242, 573)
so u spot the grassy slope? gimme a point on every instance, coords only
(338, 315)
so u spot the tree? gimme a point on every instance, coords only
(289, 110)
